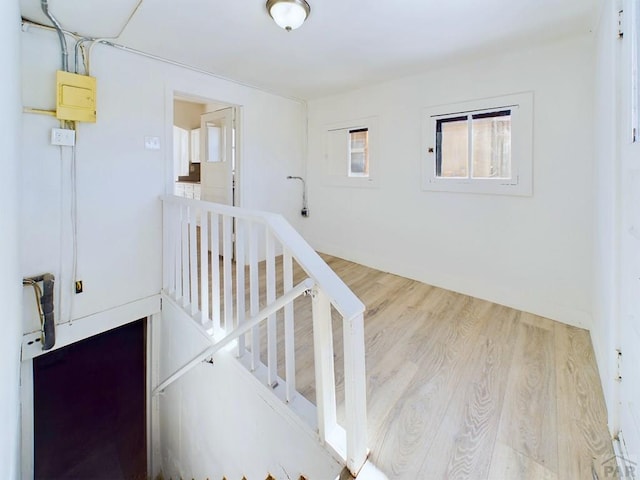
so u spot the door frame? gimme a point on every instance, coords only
(85, 330)
(194, 93)
(81, 329)
(624, 428)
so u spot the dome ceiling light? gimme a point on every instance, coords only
(288, 14)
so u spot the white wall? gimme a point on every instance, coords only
(606, 189)
(533, 253)
(10, 279)
(215, 425)
(119, 182)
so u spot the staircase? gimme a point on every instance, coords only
(228, 276)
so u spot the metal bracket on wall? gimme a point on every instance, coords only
(44, 302)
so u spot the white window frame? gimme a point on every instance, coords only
(521, 181)
(337, 171)
(364, 150)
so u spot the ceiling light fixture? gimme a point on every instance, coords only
(288, 14)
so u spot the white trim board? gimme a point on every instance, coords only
(95, 324)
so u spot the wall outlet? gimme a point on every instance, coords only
(63, 136)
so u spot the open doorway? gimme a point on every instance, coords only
(90, 408)
(205, 154)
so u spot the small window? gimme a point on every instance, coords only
(350, 158)
(480, 150)
(359, 152)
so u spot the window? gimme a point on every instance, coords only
(474, 146)
(214, 144)
(359, 152)
(483, 146)
(350, 153)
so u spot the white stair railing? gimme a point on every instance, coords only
(207, 248)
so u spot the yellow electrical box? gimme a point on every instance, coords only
(75, 97)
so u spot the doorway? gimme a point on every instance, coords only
(205, 152)
(90, 408)
(217, 151)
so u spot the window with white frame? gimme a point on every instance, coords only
(358, 152)
(483, 146)
(350, 154)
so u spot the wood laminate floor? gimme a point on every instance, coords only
(461, 388)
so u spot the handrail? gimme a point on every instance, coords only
(288, 297)
(233, 235)
(342, 298)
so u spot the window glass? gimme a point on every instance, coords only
(359, 152)
(452, 147)
(492, 144)
(214, 143)
(480, 146)
(488, 156)
(350, 158)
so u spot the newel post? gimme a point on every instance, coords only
(355, 388)
(323, 356)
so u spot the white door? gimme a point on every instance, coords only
(629, 235)
(630, 300)
(216, 156)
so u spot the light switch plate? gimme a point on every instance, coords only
(63, 136)
(152, 143)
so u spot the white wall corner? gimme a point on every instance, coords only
(10, 278)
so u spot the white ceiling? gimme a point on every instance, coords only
(343, 45)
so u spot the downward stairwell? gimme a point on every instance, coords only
(234, 283)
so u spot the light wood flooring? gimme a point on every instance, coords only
(461, 388)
